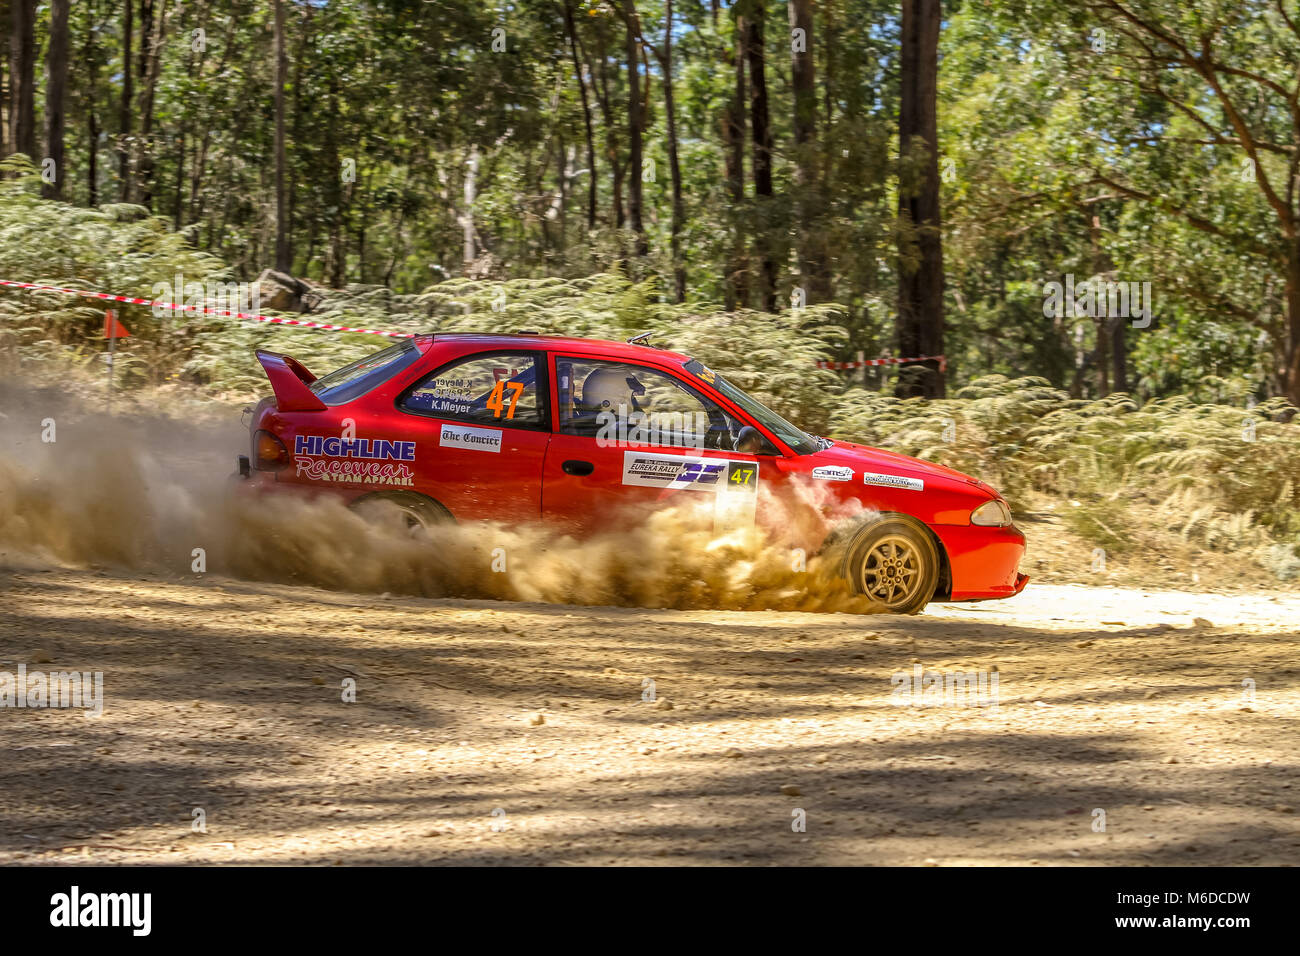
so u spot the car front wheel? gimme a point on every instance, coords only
(895, 564)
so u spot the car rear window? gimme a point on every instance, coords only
(357, 378)
(499, 388)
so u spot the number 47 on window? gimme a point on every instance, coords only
(496, 401)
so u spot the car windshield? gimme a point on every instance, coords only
(800, 442)
(357, 378)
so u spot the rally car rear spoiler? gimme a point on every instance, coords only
(289, 380)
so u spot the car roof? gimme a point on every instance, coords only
(560, 343)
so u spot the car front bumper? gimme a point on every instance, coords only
(985, 561)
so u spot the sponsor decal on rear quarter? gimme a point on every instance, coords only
(353, 472)
(833, 473)
(466, 436)
(353, 461)
(374, 450)
(893, 481)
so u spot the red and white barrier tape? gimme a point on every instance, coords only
(864, 363)
(156, 303)
(331, 327)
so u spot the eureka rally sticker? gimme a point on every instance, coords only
(688, 473)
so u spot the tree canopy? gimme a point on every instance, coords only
(743, 155)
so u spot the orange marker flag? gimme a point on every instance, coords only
(113, 329)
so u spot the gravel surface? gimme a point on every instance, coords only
(1119, 730)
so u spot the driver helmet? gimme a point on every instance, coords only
(607, 388)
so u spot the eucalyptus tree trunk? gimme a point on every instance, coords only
(91, 55)
(283, 255)
(124, 106)
(920, 323)
(761, 139)
(154, 20)
(56, 84)
(810, 242)
(22, 76)
(733, 151)
(635, 122)
(679, 215)
(575, 51)
(470, 194)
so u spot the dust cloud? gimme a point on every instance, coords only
(141, 490)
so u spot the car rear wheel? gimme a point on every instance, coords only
(414, 514)
(895, 564)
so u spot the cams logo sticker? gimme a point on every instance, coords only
(465, 436)
(833, 473)
(685, 472)
(893, 481)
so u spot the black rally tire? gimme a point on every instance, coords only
(418, 512)
(894, 562)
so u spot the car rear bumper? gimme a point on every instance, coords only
(251, 481)
(256, 483)
(985, 562)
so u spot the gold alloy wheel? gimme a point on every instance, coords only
(891, 571)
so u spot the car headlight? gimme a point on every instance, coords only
(993, 513)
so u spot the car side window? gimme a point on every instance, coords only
(498, 389)
(636, 404)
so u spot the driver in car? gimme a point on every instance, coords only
(615, 391)
(605, 389)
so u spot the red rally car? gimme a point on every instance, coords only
(583, 433)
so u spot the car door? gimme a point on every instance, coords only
(632, 439)
(481, 424)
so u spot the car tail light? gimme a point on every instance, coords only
(269, 453)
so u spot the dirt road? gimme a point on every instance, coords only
(496, 733)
